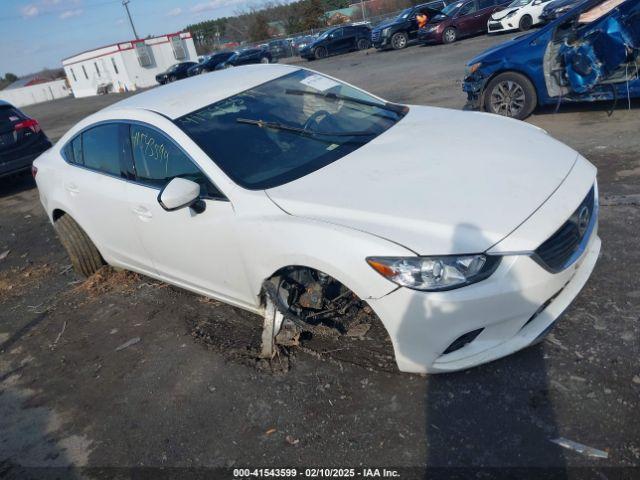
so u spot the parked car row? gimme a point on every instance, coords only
(217, 61)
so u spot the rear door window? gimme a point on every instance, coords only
(468, 9)
(101, 148)
(157, 160)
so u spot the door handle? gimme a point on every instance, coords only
(71, 188)
(142, 212)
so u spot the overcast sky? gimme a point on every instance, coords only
(40, 33)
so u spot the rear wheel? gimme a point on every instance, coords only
(399, 40)
(510, 94)
(363, 44)
(84, 255)
(449, 35)
(320, 52)
(525, 23)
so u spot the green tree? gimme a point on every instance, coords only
(10, 77)
(259, 27)
(312, 14)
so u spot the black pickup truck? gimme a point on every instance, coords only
(398, 32)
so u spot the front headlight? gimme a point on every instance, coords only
(511, 14)
(433, 274)
(473, 68)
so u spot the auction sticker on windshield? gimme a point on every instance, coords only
(318, 82)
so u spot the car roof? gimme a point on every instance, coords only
(179, 98)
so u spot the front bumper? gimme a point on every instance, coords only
(514, 307)
(502, 25)
(473, 86)
(430, 36)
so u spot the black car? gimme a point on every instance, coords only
(245, 57)
(338, 40)
(21, 140)
(209, 64)
(398, 32)
(280, 48)
(556, 8)
(174, 72)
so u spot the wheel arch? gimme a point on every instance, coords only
(508, 70)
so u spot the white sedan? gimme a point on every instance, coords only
(467, 234)
(518, 15)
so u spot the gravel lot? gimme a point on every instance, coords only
(189, 393)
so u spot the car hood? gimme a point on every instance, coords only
(438, 182)
(386, 24)
(500, 14)
(439, 18)
(499, 51)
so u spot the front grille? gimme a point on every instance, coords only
(559, 251)
(495, 26)
(375, 35)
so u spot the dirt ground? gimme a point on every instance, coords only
(122, 371)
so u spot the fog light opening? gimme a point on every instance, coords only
(463, 340)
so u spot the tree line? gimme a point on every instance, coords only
(253, 24)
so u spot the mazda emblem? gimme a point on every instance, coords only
(584, 215)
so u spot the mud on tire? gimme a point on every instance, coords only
(84, 255)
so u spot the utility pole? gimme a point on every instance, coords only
(364, 17)
(125, 4)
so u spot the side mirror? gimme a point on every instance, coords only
(536, 2)
(180, 193)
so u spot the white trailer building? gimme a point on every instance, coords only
(128, 65)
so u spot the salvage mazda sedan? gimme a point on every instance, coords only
(284, 183)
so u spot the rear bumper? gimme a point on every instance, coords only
(11, 166)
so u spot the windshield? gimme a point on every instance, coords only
(325, 34)
(404, 14)
(287, 128)
(519, 3)
(451, 8)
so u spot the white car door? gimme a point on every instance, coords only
(97, 195)
(198, 251)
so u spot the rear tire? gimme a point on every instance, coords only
(399, 40)
(525, 23)
(363, 44)
(510, 94)
(320, 53)
(84, 255)
(449, 35)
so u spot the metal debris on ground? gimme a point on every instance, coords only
(580, 448)
(4, 254)
(128, 343)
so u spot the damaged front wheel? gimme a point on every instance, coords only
(510, 94)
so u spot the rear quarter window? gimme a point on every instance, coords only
(101, 148)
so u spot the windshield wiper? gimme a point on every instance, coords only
(399, 109)
(302, 131)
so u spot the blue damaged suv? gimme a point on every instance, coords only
(590, 53)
